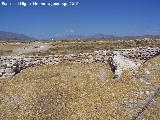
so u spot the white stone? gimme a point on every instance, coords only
(102, 74)
(2, 70)
(123, 63)
(9, 70)
(147, 71)
(147, 93)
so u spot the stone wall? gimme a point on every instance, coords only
(11, 65)
(141, 53)
(119, 60)
(124, 59)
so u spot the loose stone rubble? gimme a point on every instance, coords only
(119, 60)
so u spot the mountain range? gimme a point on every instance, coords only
(103, 36)
(13, 36)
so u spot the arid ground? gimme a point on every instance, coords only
(69, 91)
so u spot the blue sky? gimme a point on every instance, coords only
(112, 17)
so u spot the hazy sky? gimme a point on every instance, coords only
(112, 17)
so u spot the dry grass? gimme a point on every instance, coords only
(72, 92)
(7, 48)
(59, 47)
(5, 52)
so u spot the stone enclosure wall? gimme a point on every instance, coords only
(119, 60)
(123, 59)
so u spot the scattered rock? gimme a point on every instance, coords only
(15, 100)
(102, 74)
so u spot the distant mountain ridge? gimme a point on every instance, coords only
(103, 36)
(8, 36)
(77, 36)
(13, 36)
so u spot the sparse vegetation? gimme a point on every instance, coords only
(77, 91)
(63, 47)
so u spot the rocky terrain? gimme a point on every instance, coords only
(81, 82)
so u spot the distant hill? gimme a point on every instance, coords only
(13, 36)
(77, 36)
(103, 36)
(68, 37)
(112, 37)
